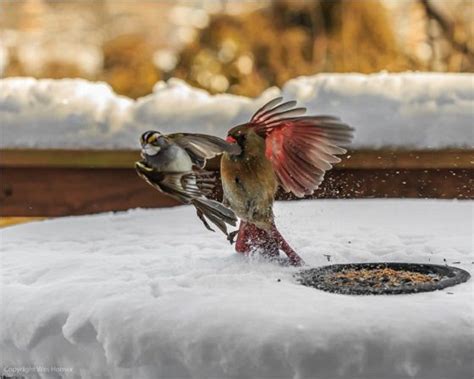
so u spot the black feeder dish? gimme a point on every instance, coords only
(389, 278)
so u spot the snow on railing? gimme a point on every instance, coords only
(407, 110)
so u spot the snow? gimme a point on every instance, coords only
(58, 113)
(407, 110)
(152, 294)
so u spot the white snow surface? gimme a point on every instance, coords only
(407, 110)
(152, 294)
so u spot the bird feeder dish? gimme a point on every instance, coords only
(382, 278)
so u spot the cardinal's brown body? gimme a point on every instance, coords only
(250, 183)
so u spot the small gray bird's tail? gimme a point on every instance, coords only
(215, 212)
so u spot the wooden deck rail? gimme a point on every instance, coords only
(66, 182)
(359, 159)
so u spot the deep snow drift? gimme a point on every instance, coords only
(152, 294)
(409, 110)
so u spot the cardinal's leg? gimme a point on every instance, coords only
(294, 258)
(251, 238)
(242, 245)
(264, 243)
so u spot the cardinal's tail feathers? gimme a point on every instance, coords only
(215, 212)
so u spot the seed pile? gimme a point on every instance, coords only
(378, 277)
(384, 278)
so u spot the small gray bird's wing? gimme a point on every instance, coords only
(190, 187)
(202, 147)
(183, 186)
(215, 212)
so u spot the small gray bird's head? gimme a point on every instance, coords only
(152, 142)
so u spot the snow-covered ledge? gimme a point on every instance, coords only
(151, 294)
(407, 110)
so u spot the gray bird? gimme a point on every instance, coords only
(174, 164)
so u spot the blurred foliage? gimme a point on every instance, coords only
(248, 53)
(450, 37)
(242, 53)
(59, 70)
(15, 67)
(51, 69)
(128, 65)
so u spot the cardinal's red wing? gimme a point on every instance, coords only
(301, 149)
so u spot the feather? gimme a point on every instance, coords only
(202, 147)
(190, 188)
(218, 214)
(268, 106)
(300, 148)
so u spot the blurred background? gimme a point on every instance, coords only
(225, 46)
(238, 47)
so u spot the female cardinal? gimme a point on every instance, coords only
(174, 164)
(278, 148)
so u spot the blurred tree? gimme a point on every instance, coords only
(128, 65)
(59, 70)
(14, 66)
(241, 53)
(361, 39)
(453, 32)
(248, 53)
(52, 68)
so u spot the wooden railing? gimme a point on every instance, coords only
(65, 182)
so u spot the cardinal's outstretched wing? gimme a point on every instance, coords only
(301, 148)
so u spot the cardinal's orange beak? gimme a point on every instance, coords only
(231, 139)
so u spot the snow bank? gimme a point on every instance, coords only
(133, 295)
(70, 113)
(409, 110)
